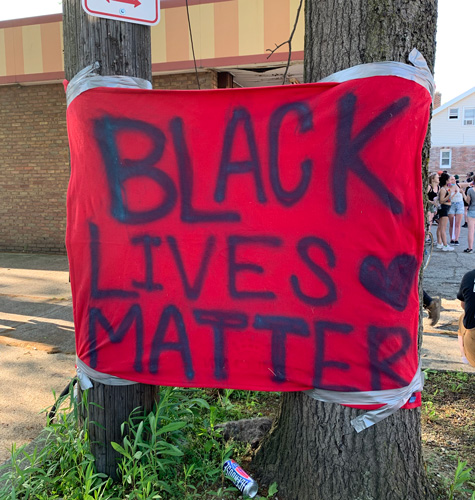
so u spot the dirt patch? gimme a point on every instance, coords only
(28, 380)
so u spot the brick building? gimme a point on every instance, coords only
(231, 38)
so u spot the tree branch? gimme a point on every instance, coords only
(289, 42)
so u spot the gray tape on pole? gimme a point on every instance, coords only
(417, 71)
(86, 375)
(392, 400)
(88, 78)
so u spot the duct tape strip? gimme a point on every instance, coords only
(419, 71)
(86, 375)
(392, 400)
(88, 78)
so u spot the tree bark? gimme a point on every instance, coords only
(312, 451)
(121, 49)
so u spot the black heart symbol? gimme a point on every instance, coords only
(392, 285)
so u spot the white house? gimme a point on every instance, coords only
(453, 135)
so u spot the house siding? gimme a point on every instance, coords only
(455, 136)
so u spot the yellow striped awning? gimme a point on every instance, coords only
(226, 33)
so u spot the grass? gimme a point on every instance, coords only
(176, 452)
(448, 432)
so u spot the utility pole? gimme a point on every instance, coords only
(121, 49)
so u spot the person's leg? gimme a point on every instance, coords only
(469, 346)
(426, 299)
(458, 225)
(443, 230)
(430, 217)
(461, 333)
(471, 227)
(451, 227)
(439, 233)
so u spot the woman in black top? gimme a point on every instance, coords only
(432, 192)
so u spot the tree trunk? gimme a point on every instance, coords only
(121, 49)
(312, 451)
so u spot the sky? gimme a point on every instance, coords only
(454, 69)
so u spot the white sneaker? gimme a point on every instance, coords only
(448, 248)
(440, 246)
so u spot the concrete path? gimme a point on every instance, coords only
(37, 334)
(442, 277)
(36, 342)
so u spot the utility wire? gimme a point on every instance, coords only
(192, 45)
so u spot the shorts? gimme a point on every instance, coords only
(468, 337)
(444, 210)
(456, 208)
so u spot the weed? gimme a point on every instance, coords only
(430, 410)
(462, 476)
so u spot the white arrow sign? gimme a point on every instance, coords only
(131, 11)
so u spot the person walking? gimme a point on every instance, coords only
(445, 202)
(470, 199)
(456, 210)
(432, 199)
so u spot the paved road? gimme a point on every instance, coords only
(442, 277)
(37, 334)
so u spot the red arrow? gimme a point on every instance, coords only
(135, 3)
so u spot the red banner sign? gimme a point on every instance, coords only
(264, 239)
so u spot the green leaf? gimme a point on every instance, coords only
(201, 402)
(174, 426)
(120, 450)
(273, 489)
(208, 445)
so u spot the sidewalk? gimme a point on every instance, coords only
(442, 277)
(37, 334)
(36, 342)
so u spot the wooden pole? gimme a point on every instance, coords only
(121, 49)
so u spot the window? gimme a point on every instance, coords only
(469, 116)
(453, 113)
(445, 158)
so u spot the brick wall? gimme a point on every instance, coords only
(463, 160)
(34, 162)
(34, 168)
(186, 81)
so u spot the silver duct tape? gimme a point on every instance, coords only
(86, 375)
(419, 71)
(88, 79)
(392, 400)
